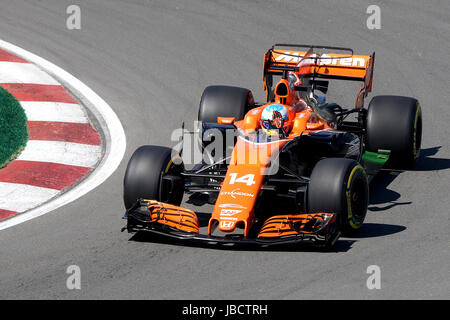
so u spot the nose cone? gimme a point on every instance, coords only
(237, 198)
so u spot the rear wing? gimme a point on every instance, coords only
(331, 63)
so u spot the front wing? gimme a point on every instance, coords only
(318, 229)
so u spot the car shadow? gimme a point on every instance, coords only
(427, 163)
(382, 198)
(341, 245)
(373, 230)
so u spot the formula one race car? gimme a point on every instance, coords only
(297, 167)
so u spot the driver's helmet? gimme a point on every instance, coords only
(274, 119)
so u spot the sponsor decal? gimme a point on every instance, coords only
(228, 218)
(325, 59)
(236, 192)
(229, 212)
(226, 224)
(231, 205)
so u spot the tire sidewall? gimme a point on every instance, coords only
(356, 182)
(143, 176)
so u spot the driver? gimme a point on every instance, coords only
(274, 120)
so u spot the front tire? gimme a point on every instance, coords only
(339, 185)
(153, 173)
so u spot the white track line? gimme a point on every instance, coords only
(54, 111)
(21, 197)
(15, 72)
(68, 153)
(113, 136)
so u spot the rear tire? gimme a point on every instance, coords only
(224, 101)
(339, 185)
(395, 123)
(144, 176)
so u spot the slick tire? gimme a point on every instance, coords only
(224, 101)
(339, 185)
(395, 123)
(153, 173)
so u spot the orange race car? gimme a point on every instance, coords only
(296, 168)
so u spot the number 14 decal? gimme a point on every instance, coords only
(248, 179)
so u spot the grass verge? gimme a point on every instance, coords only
(13, 128)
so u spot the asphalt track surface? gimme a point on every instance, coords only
(150, 60)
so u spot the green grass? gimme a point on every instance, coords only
(13, 128)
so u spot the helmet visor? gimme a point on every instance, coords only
(267, 124)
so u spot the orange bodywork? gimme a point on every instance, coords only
(225, 120)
